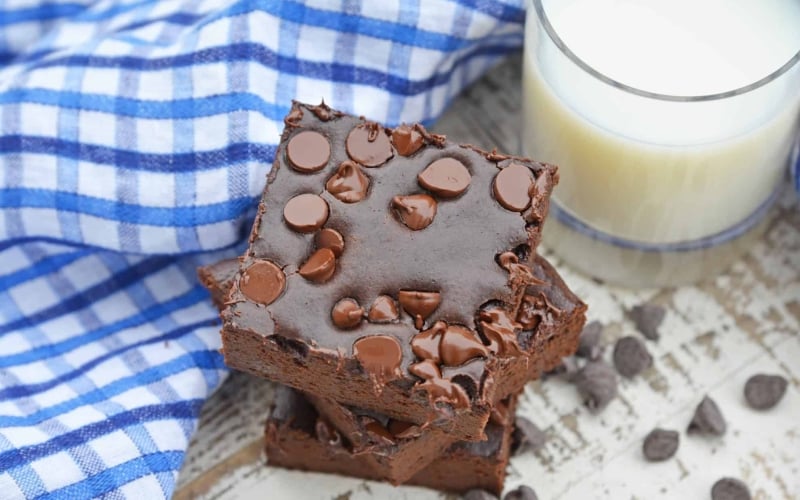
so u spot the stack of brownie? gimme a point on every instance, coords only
(392, 286)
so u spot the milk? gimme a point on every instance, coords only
(658, 172)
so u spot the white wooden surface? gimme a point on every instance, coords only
(713, 338)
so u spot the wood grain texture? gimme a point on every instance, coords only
(714, 337)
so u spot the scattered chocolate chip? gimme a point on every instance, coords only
(527, 437)
(262, 282)
(707, 419)
(426, 369)
(346, 314)
(512, 187)
(763, 392)
(597, 384)
(446, 178)
(305, 213)
(589, 345)
(348, 184)
(419, 305)
(407, 140)
(729, 488)
(308, 151)
(425, 344)
(631, 357)
(369, 145)
(459, 345)
(331, 238)
(478, 495)
(319, 267)
(521, 493)
(383, 310)
(647, 318)
(660, 445)
(379, 355)
(416, 211)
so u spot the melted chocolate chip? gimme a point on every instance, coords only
(474, 370)
(425, 344)
(407, 140)
(319, 267)
(369, 145)
(262, 282)
(729, 488)
(708, 419)
(446, 178)
(530, 314)
(419, 305)
(500, 330)
(763, 392)
(660, 445)
(459, 345)
(512, 186)
(331, 238)
(416, 211)
(376, 429)
(403, 430)
(294, 117)
(308, 151)
(426, 370)
(631, 357)
(348, 184)
(305, 213)
(440, 389)
(346, 314)
(383, 310)
(379, 355)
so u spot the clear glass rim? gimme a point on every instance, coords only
(562, 46)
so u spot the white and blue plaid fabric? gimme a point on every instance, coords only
(135, 136)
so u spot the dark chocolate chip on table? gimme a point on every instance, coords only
(729, 488)
(708, 419)
(763, 392)
(407, 140)
(597, 385)
(631, 357)
(369, 145)
(527, 437)
(415, 211)
(589, 346)
(308, 151)
(445, 177)
(331, 238)
(478, 495)
(383, 310)
(512, 187)
(349, 184)
(648, 318)
(347, 314)
(305, 213)
(660, 445)
(262, 282)
(521, 493)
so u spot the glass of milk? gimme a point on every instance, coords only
(672, 123)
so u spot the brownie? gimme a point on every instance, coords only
(298, 438)
(217, 278)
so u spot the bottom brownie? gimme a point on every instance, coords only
(298, 438)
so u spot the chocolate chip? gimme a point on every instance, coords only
(512, 187)
(440, 389)
(729, 488)
(589, 345)
(763, 392)
(407, 140)
(308, 151)
(631, 357)
(294, 117)
(707, 419)
(419, 305)
(305, 213)
(459, 345)
(403, 430)
(379, 355)
(319, 267)
(597, 384)
(262, 282)
(521, 493)
(331, 238)
(416, 211)
(348, 184)
(426, 369)
(478, 495)
(446, 178)
(377, 430)
(383, 310)
(500, 330)
(530, 312)
(425, 344)
(369, 145)
(647, 318)
(527, 437)
(660, 445)
(346, 314)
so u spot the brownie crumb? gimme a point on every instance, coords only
(648, 318)
(478, 495)
(589, 346)
(763, 392)
(707, 419)
(660, 445)
(631, 357)
(729, 488)
(527, 437)
(521, 493)
(597, 384)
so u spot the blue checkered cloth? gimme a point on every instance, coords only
(135, 137)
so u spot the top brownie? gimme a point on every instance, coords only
(398, 256)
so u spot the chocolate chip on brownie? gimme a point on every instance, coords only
(647, 318)
(729, 488)
(707, 419)
(660, 445)
(763, 392)
(521, 493)
(631, 357)
(597, 384)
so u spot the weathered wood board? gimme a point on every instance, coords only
(714, 337)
